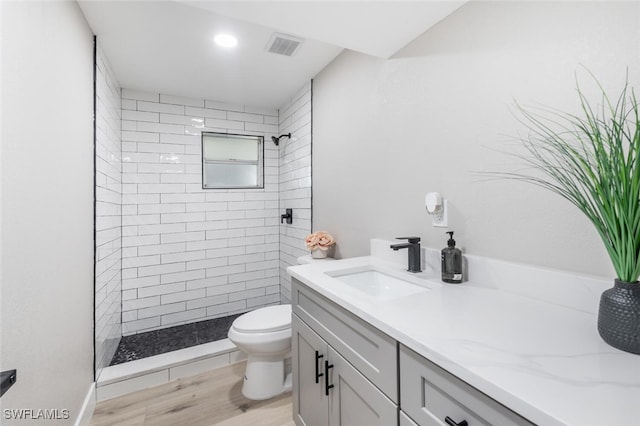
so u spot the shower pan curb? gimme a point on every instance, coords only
(121, 379)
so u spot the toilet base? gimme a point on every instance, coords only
(264, 377)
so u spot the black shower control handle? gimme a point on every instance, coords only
(288, 216)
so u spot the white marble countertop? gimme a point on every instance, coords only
(541, 359)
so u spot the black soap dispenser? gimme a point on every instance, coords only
(451, 262)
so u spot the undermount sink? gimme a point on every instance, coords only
(377, 284)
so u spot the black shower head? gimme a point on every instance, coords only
(276, 140)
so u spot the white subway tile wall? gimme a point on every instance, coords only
(191, 254)
(295, 182)
(108, 214)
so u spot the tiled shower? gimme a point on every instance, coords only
(169, 252)
(108, 211)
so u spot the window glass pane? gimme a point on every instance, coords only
(230, 148)
(231, 175)
(232, 161)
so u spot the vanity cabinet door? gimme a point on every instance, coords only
(354, 400)
(310, 404)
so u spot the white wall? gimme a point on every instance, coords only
(108, 302)
(295, 182)
(189, 253)
(387, 132)
(47, 207)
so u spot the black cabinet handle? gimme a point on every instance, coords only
(448, 420)
(327, 386)
(318, 373)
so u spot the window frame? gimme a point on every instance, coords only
(259, 163)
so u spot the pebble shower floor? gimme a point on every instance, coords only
(156, 342)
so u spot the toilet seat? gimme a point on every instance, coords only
(274, 342)
(265, 320)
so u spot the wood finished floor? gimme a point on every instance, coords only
(212, 398)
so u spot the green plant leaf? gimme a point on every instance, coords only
(592, 160)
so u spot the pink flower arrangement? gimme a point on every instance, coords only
(319, 240)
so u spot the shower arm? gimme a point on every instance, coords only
(276, 140)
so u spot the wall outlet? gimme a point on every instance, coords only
(440, 217)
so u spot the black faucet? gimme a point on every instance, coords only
(414, 252)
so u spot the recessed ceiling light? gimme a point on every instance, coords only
(225, 40)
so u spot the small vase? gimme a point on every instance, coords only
(619, 316)
(318, 254)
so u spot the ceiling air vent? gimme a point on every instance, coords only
(283, 44)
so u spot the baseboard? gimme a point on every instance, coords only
(89, 404)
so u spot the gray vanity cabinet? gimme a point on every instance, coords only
(340, 395)
(310, 402)
(331, 348)
(347, 372)
(354, 399)
(406, 420)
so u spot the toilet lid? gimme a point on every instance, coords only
(264, 320)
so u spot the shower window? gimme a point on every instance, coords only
(232, 161)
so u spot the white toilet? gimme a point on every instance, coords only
(265, 335)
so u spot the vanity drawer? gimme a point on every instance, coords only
(369, 350)
(429, 394)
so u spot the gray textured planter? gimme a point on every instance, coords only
(619, 316)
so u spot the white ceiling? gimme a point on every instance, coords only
(167, 47)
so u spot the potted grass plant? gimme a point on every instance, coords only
(592, 159)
